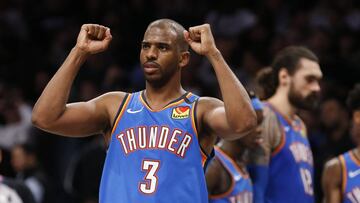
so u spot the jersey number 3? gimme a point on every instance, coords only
(149, 184)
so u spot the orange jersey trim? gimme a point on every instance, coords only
(204, 158)
(193, 122)
(245, 176)
(281, 144)
(343, 171)
(228, 191)
(121, 113)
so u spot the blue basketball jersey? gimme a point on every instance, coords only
(291, 165)
(154, 156)
(350, 167)
(241, 187)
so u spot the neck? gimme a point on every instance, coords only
(282, 104)
(158, 97)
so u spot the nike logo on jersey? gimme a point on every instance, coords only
(134, 111)
(237, 177)
(352, 174)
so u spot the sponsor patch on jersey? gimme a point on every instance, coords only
(180, 112)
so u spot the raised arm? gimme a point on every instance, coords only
(51, 113)
(331, 181)
(259, 158)
(235, 116)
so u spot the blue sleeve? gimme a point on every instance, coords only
(259, 175)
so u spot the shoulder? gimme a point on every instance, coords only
(211, 102)
(206, 105)
(111, 100)
(111, 96)
(111, 103)
(332, 168)
(271, 127)
(269, 113)
(333, 164)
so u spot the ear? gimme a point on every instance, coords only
(284, 77)
(184, 59)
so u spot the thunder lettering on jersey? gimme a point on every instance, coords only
(154, 156)
(350, 168)
(291, 165)
(240, 190)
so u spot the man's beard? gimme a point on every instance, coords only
(310, 102)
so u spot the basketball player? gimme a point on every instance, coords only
(160, 138)
(227, 178)
(341, 176)
(283, 170)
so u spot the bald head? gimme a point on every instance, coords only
(175, 27)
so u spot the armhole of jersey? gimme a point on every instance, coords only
(205, 158)
(194, 118)
(229, 190)
(281, 144)
(343, 174)
(120, 111)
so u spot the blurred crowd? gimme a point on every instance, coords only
(36, 36)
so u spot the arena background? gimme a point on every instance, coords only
(36, 36)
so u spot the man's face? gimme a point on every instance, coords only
(159, 55)
(304, 89)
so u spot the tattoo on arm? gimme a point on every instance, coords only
(271, 134)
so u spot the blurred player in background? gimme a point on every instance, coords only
(227, 178)
(341, 176)
(282, 168)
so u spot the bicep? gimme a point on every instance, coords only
(80, 119)
(85, 118)
(217, 121)
(213, 117)
(331, 181)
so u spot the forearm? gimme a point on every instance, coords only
(239, 112)
(52, 102)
